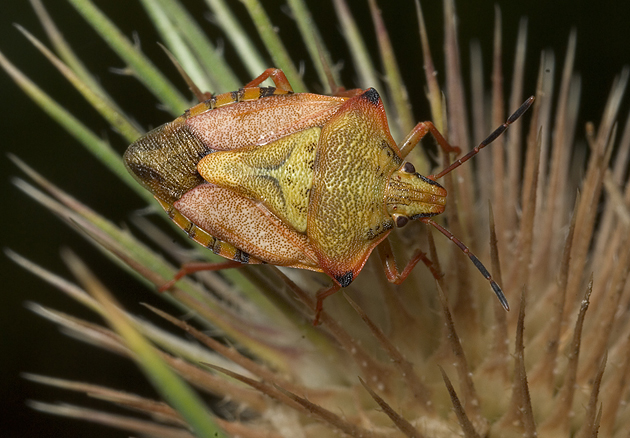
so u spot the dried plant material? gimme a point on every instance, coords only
(159, 411)
(134, 425)
(377, 364)
(405, 368)
(593, 411)
(471, 399)
(519, 419)
(558, 420)
(464, 422)
(402, 424)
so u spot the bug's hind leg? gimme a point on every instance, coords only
(192, 267)
(277, 76)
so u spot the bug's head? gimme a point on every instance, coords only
(410, 195)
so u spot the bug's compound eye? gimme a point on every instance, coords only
(400, 220)
(408, 168)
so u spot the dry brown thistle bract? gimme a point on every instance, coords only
(406, 360)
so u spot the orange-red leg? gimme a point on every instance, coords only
(419, 131)
(321, 296)
(342, 92)
(192, 267)
(396, 277)
(391, 269)
(276, 75)
(423, 128)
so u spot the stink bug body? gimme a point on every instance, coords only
(263, 175)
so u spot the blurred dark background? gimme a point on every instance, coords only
(30, 344)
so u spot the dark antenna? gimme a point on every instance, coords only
(492, 137)
(454, 165)
(495, 287)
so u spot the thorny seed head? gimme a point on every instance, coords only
(408, 360)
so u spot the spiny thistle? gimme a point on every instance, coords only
(424, 359)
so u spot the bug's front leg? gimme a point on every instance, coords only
(391, 269)
(418, 132)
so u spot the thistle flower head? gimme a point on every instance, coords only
(427, 358)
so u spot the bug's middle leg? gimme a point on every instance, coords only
(321, 296)
(391, 269)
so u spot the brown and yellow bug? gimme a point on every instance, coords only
(265, 175)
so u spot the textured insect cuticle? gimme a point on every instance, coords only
(191, 230)
(267, 91)
(332, 154)
(345, 279)
(372, 96)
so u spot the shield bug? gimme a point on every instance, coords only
(265, 175)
